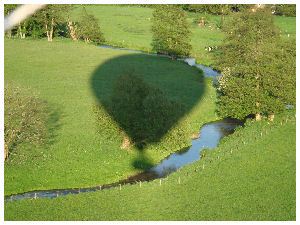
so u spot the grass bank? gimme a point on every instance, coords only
(67, 76)
(250, 176)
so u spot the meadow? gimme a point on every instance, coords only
(130, 27)
(250, 176)
(62, 74)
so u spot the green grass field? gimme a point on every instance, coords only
(130, 27)
(250, 176)
(61, 73)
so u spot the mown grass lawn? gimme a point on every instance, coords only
(130, 26)
(61, 74)
(250, 176)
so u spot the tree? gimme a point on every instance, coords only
(144, 112)
(170, 29)
(51, 16)
(280, 78)
(252, 61)
(25, 118)
(285, 10)
(89, 28)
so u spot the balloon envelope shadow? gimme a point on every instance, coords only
(146, 95)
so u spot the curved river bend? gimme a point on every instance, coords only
(210, 135)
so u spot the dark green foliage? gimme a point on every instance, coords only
(8, 8)
(285, 10)
(279, 81)
(253, 78)
(89, 29)
(144, 112)
(170, 29)
(25, 118)
(216, 9)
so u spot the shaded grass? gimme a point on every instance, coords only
(60, 74)
(250, 176)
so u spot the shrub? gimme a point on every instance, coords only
(25, 118)
(145, 114)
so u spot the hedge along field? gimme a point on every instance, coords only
(251, 175)
(60, 73)
(130, 26)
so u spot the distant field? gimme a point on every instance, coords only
(250, 176)
(131, 27)
(61, 73)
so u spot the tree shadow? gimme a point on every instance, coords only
(53, 125)
(147, 96)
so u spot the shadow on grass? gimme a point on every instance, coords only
(53, 124)
(147, 96)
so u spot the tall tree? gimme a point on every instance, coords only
(89, 28)
(51, 16)
(171, 34)
(252, 74)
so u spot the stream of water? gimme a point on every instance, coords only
(210, 135)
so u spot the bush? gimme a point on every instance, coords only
(285, 10)
(25, 118)
(106, 126)
(145, 114)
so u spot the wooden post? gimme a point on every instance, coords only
(140, 184)
(120, 186)
(159, 182)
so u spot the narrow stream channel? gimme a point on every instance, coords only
(210, 135)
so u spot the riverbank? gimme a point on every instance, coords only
(78, 156)
(210, 135)
(250, 176)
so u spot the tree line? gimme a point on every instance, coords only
(258, 65)
(56, 20)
